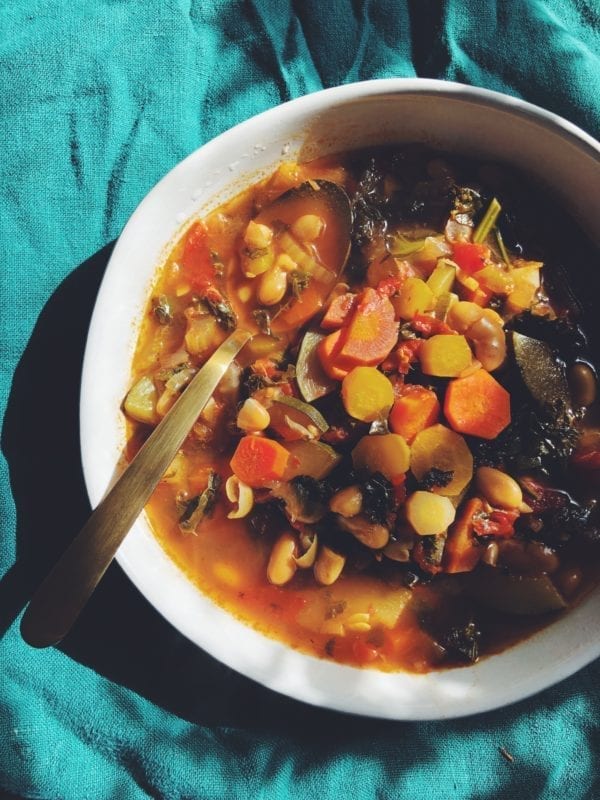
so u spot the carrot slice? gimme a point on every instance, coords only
(258, 461)
(338, 311)
(462, 551)
(415, 410)
(327, 350)
(371, 333)
(477, 405)
(302, 309)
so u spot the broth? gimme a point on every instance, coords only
(407, 491)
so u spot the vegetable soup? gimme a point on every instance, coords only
(400, 469)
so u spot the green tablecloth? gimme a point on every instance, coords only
(98, 100)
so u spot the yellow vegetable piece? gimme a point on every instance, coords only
(361, 595)
(466, 280)
(415, 298)
(140, 403)
(445, 355)
(387, 453)
(434, 248)
(496, 279)
(367, 394)
(441, 448)
(526, 280)
(429, 513)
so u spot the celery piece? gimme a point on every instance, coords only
(502, 248)
(488, 221)
(442, 278)
(399, 245)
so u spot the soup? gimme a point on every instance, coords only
(400, 469)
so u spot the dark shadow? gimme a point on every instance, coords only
(40, 435)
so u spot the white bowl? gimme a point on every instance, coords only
(448, 115)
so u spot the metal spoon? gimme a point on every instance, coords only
(60, 598)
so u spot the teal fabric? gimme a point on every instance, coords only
(97, 101)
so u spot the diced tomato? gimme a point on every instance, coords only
(407, 354)
(338, 311)
(495, 523)
(393, 283)
(429, 326)
(197, 261)
(481, 296)
(363, 652)
(265, 367)
(400, 492)
(469, 256)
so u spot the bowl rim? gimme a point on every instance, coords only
(256, 670)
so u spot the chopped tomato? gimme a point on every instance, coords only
(429, 326)
(481, 296)
(495, 523)
(364, 652)
(338, 311)
(469, 256)
(265, 367)
(407, 354)
(197, 261)
(399, 484)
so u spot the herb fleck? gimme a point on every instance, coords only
(263, 320)
(298, 282)
(162, 310)
(435, 478)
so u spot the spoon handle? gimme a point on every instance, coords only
(58, 601)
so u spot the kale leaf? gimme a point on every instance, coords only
(463, 642)
(378, 498)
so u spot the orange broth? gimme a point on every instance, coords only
(365, 618)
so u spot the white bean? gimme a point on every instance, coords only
(282, 562)
(489, 340)
(498, 488)
(347, 502)
(253, 416)
(273, 286)
(328, 566)
(257, 236)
